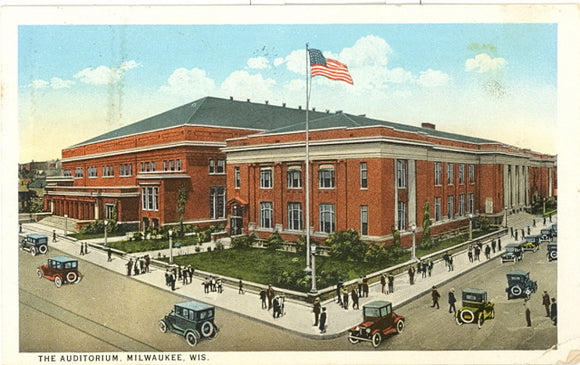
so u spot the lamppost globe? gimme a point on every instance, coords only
(105, 222)
(413, 228)
(65, 224)
(170, 246)
(313, 262)
(470, 226)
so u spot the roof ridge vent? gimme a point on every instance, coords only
(266, 102)
(283, 105)
(338, 111)
(231, 98)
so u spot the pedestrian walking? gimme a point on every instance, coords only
(240, 287)
(529, 231)
(322, 326)
(345, 297)
(550, 216)
(512, 231)
(167, 283)
(220, 286)
(516, 235)
(277, 312)
(470, 253)
(499, 244)
(523, 233)
(338, 293)
(528, 314)
(451, 267)
(424, 269)
(354, 297)
(82, 249)
(411, 273)
(365, 286)
(19, 227)
(316, 310)
(383, 283)
(391, 283)
(173, 278)
(183, 275)
(359, 287)
(477, 251)
(534, 222)
(493, 245)
(487, 252)
(136, 268)
(53, 235)
(452, 301)
(270, 294)
(546, 302)
(544, 220)
(109, 253)
(263, 298)
(554, 312)
(129, 267)
(435, 296)
(86, 248)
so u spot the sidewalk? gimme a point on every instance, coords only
(298, 316)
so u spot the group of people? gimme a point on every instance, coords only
(390, 279)
(84, 248)
(319, 315)
(185, 274)
(139, 266)
(270, 300)
(212, 284)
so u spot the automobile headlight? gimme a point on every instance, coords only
(357, 328)
(368, 331)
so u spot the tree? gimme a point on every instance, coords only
(347, 245)
(396, 249)
(181, 203)
(426, 237)
(275, 241)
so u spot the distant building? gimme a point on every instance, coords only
(242, 164)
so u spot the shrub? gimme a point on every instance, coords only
(275, 241)
(244, 241)
(347, 245)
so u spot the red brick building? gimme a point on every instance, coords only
(242, 163)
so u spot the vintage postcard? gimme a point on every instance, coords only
(291, 184)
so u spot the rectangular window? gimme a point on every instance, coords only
(109, 208)
(364, 220)
(327, 218)
(221, 167)
(266, 213)
(266, 178)
(437, 208)
(363, 176)
(472, 174)
(450, 205)
(92, 171)
(66, 173)
(108, 171)
(294, 177)
(212, 166)
(437, 173)
(171, 165)
(402, 216)
(217, 202)
(165, 165)
(178, 164)
(79, 172)
(461, 208)
(326, 177)
(401, 173)
(237, 179)
(153, 166)
(125, 169)
(449, 174)
(461, 173)
(470, 203)
(295, 216)
(150, 198)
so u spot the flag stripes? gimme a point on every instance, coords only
(329, 68)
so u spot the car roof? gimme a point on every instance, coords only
(518, 272)
(377, 304)
(36, 235)
(194, 305)
(62, 259)
(475, 291)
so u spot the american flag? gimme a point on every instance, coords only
(329, 68)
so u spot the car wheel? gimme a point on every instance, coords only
(71, 277)
(400, 326)
(191, 338)
(57, 281)
(43, 249)
(467, 316)
(492, 314)
(39, 273)
(162, 326)
(352, 340)
(480, 320)
(376, 340)
(515, 259)
(79, 277)
(553, 255)
(206, 329)
(516, 291)
(214, 332)
(33, 251)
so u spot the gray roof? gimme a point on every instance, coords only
(262, 117)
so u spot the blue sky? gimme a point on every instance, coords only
(495, 81)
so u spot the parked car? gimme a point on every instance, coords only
(193, 320)
(34, 243)
(531, 243)
(546, 235)
(475, 308)
(379, 320)
(554, 229)
(520, 285)
(61, 270)
(513, 252)
(552, 253)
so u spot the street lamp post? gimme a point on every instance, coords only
(170, 246)
(313, 290)
(505, 209)
(65, 222)
(470, 226)
(105, 223)
(413, 255)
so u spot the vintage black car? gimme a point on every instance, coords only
(60, 270)
(193, 320)
(546, 234)
(520, 285)
(552, 253)
(379, 320)
(34, 243)
(475, 308)
(513, 252)
(554, 229)
(531, 243)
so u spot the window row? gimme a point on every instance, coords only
(217, 166)
(451, 171)
(463, 207)
(106, 171)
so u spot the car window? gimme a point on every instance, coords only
(70, 265)
(56, 264)
(515, 278)
(371, 312)
(202, 316)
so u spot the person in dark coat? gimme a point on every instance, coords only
(528, 315)
(512, 231)
(339, 294)
(263, 299)
(533, 222)
(493, 244)
(435, 296)
(344, 293)
(173, 278)
(383, 283)
(451, 268)
(365, 287)
(411, 273)
(53, 235)
(129, 267)
(529, 231)
(322, 326)
(277, 312)
(316, 310)
(452, 301)
(82, 249)
(354, 297)
(546, 302)
(270, 294)
(499, 244)
(240, 287)
(554, 311)
(477, 251)
(391, 283)
(109, 253)
(487, 252)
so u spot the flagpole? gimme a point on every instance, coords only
(307, 166)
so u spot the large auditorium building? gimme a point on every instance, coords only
(243, 164)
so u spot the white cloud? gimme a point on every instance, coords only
(296, 62)
(484, 63)
(243, 84)
(258, 63)
(57, 83)
(367, 51)
(432, 78)
(189, 82)
(39, 84)
(103, 75)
